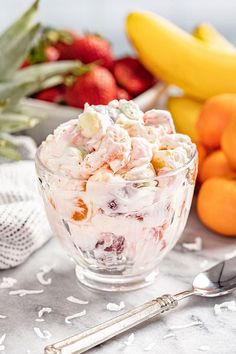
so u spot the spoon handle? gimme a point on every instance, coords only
(101, 333)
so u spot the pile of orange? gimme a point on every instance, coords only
(216, 201)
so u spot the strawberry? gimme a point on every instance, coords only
(65, 44)
(90, 48)
(25, 64)
(52, 94)
(51, 54)
(97, 86)
(131, 75)
(123, 94)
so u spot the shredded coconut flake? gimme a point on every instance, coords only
(230, 254)
(76, 315)
(40, 275)
(130, 340)
(168, 335)
(194, 246)
(76, 300)
(228, 305)
(149, 347)
(23, 292)
(2, 339)
(187, 325)
(43, 311)
(204, 263)
(7, 283)
(114, 307)
(39, 319)
(2, 317)
(42, 334)
(204, 348)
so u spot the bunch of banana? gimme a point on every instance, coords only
(16, 114)
(184, 109)
(179, 58)
(191, 62)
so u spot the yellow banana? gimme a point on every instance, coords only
(185, 112)
(210, 36)
(180, 59)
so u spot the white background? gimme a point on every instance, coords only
(107, 16)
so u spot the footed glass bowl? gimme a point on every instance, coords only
(117, 233)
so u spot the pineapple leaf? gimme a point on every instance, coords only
(47, 70)
(12, 55)
(11, 92)
(14, 122)
(20, 25)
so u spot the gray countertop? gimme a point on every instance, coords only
(209, 333)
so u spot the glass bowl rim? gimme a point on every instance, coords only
(163, 175)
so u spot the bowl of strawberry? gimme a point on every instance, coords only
(100, 79)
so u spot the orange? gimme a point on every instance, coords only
(202, 153)
(228, 142)
(214, 117)
(216, 205)
(215, 165)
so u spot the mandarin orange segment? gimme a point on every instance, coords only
(82, 211)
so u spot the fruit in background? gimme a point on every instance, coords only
(122, 94)
(180, 59)
(202, 154)
(185, 112)
(63, 41)
(215, 165)
(97, 86)
(52, 94)
(210, 36)
(90, 48)
(216, 205)
(214, 117)
(228, 142)
(131, 75)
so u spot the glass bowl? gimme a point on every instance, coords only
(117, 233)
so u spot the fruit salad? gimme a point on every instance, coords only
(117, 185)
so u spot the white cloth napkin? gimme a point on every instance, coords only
(23, 224)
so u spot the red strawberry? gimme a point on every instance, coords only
(51, 54)
(132, 75)
(65, 44)
(52, 94)
(123, 94)
(97, 86)
(25, 64)
(90, 48)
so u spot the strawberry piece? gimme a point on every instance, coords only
(52, 94)
(131, 75)
(97, 86)
(122, 94)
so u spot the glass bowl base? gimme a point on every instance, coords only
(114, 283)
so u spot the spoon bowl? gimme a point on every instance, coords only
(216, 281)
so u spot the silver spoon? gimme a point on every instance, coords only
(216, 281)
